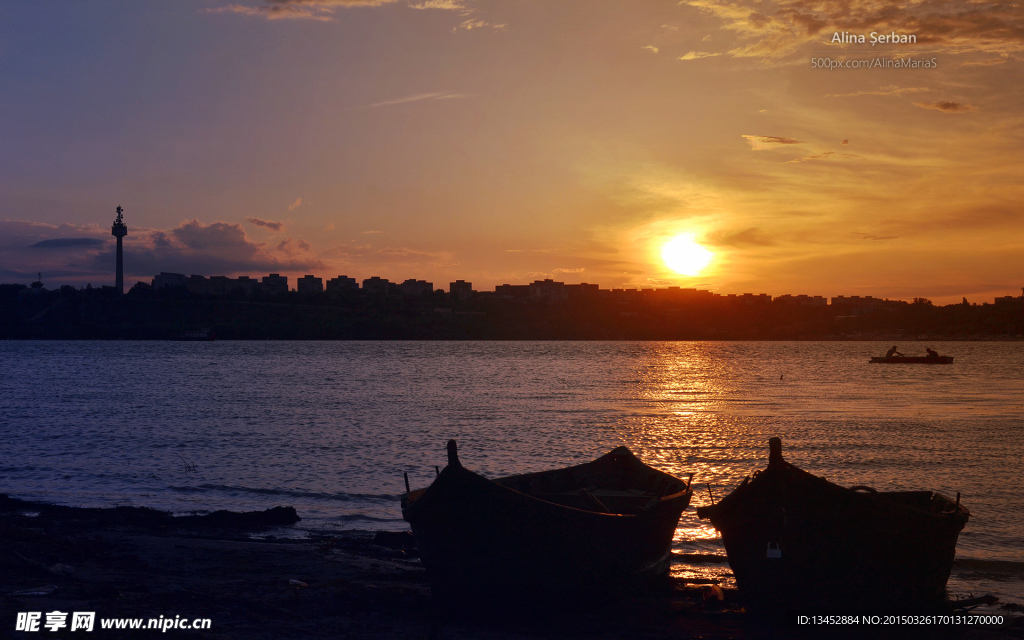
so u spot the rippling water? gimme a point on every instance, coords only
(329, 427)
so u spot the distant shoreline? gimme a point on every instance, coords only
(176, 314)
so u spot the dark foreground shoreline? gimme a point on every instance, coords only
(131, 562)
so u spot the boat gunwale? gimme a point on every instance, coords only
(653, 499)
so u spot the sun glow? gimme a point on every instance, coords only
(683, 255)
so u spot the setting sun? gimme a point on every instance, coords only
(683, 255)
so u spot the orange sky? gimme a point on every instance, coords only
(506, 141)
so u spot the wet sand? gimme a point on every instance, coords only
(139, 563)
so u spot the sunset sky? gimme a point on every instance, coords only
(503, 141)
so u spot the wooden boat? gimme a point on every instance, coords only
(797, 542)
(594, 527)
(200, 335)
(913, 359)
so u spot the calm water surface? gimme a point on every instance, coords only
(329, 427)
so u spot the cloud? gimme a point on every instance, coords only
(845, 141)
(477, 23)
(317, 10)
(66, 243)
(651, 48)
(569, 270)
(871, 236)
(771, 32)
(406, 253)
(419, 97)
(750, 237)
(19, 235)
(447, 5)
(890, 90)
(273, 225)
(697, 55)
(824, 155)
(990, 62)
(760, 143)
(218, 248)
(387, 261)
(945, 107)
(325, 10)
(295, 205)
(471, 21)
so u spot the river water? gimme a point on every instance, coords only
(329, 427)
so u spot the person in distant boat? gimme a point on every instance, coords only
(931, 354)
(893, 352)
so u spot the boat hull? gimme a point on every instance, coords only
(534, 536)
(797, 542)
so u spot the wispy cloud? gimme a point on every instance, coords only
(479, 23)
(445, 5)
(384, 260)
(273, 225)
(295, 205)
(890, 90)
(325, 10)
(317, 10)
(471, 21)
(760, 143)
(68, 243)
(873, 236)
(780, 29)
(419, 97)
(697, 55)
(945, 106)
(824, 155)
(749, 237)
(651, 48)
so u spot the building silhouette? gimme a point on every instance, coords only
(275, 283)
(414, 287)
(310, 284)
(461, 290)
(342, 283)
(376, 284)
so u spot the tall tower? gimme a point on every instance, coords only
(119, 230)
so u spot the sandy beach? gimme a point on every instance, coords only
(137, 563)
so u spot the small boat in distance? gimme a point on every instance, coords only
(554, 535)
(797, 542)
(913, 359)
(200, 335)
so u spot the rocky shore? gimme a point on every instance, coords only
(138, 563)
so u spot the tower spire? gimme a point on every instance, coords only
(119, 230)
